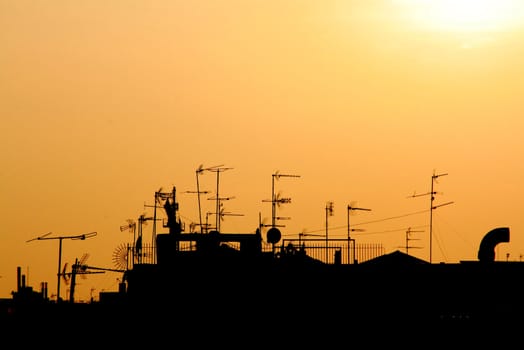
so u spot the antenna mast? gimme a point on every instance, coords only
(218, 170)
(329, 212)
(433, 179)
(275, 200)
(408, 232)
(431, 208)
(350, 208)
(60, 238)
(200, 170)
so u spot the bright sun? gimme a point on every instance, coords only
(466, 15)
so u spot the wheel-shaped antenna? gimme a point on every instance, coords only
(120, 256)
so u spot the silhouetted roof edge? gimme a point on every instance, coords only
(395, 258)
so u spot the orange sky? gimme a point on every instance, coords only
(104, 102)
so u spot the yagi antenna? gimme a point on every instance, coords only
(275, 198)
(60, 239)
(432, 193)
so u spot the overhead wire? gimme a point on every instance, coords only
(371, 222)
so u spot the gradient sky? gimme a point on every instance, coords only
(105, 102)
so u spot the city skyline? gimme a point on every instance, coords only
(104, 103)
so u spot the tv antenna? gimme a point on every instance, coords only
(304, 233)
(120, 256)
(198, 192)
(432, 207)
(138, 244)
(223, 214)
(199, 171)
(160, 198)
(81, 268)
(329, 212)
(409, 231)
(218, 170)
(220, 213)
(352, 208)
(130, 226)
(275, 198)
(60, 239)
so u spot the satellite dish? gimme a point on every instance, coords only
(273, 235)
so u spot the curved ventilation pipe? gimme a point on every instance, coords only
(490, 241)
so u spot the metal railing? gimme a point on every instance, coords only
(337, 251)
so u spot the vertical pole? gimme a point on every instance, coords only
(431, 208)
(73, 282)
(59, 264)
(327, 250)
(349, 230)
(273, 201)
(329, 212)
(18, 279)
(199, 208)
(349, 237)
(432, 197)
(217, 210)
(153, 239)
(407, 240)
(133, 252)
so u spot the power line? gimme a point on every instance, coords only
(389, 231)
(373, 221)
(393, 217)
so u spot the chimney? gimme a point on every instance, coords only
(18, 278)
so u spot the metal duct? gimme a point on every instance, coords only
(490, 241)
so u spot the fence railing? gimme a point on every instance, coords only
(334, 251)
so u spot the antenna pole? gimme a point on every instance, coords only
(274, 198)
(329, 212)
(350, 208)
(217, 170)
(408, 232)
(153, 240)
(273, 201)
(432, 196)
(431, 208)
(60, 238)
(59, 264)
(217, 210)
(199, 170)
(198, 196)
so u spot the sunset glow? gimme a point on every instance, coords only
(465, 15)
(104, 103)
